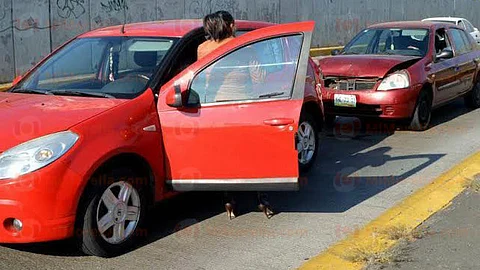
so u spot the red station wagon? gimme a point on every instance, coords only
(401, 71)
(123, 117)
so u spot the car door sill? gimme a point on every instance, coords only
(255, 184)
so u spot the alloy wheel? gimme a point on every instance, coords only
(118, 212)
(306, 143)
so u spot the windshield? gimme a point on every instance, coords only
(390, 41)
(117, 67)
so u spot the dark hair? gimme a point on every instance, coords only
(218, 25)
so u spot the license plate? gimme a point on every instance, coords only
(345, 100)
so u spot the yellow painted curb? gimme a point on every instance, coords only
(409, 213)
(323, 51)
(5, 87)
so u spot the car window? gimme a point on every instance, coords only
(271, 52)
(469, 27)
(117, 66)
(262, 70)
(361, 43)
(442, 41)
(467, 39)
(462, 24)
(461, 47)
(390, 41)
(82, 61)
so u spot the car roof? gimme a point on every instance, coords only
(448, 19)
(408, 24)
(168, 28)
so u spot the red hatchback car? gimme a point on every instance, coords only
(122, 117)
(401, 71)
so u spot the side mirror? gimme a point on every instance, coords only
(174, 98)
(445, 54)
(193, 100)
(335, 52)
(16, 80)
(476, 29)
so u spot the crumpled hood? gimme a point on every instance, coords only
(377, 66)
(24, 117)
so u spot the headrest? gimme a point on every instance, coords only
(145, 59)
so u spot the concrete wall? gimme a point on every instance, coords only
(30, 29)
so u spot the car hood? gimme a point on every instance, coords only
(24, 117)
(373, 66)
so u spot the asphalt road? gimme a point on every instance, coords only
(353, 181)
(450, 239)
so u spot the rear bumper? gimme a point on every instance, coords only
(393, 104)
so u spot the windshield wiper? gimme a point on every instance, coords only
(80, 93)
(270, 95)
(31, 91)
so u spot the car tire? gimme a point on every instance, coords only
(307, 140)
(472, 99)
(123, 228)
(423, 112)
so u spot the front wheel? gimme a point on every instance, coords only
(472, 99)
(423, 112)
(307, 141)
(109, 221)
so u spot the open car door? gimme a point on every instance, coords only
(229, 121)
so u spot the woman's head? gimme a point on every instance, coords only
(219, 25)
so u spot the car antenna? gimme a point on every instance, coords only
(124, 18)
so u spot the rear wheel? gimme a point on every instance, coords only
(307, 141)
(423, 112)
(110, 218)
(472, 99)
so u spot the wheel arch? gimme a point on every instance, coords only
(428, 87)
(131, 160)
(313, 109)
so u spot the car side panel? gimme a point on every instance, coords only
(135, 130)
(466, 72)
(313, 92)
(444, 79)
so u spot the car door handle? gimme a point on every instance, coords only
(279, 122)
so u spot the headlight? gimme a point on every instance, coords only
(397, 80)
(35, 154)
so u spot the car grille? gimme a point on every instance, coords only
(350, 84)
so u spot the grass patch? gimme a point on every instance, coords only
(368, 257)
(473, 184)
(374, 251)
(396, 232)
